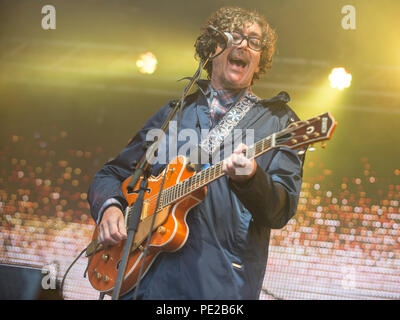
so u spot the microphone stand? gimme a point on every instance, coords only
(143, 169)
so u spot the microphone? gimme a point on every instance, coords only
(225, 36)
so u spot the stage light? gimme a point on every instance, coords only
(340, 78)
(147, 63)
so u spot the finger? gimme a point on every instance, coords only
(224, 166)
(100, 237)
(239, 160)
(228, 164)
(240, 148)
(105, 234)
(113, 230)
(235, 159)
(121, 227)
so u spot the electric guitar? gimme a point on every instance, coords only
(183, 189)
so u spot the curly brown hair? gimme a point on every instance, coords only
(234, 19)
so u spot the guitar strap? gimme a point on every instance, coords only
(203, 152)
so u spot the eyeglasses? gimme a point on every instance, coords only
(254, 43)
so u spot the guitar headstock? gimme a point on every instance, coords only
(302, 133)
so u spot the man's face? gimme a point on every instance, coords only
(235, 67)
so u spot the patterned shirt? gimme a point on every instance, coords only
(220, 102)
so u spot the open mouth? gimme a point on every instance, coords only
(238, 61)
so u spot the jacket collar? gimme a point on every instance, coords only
(225, 97)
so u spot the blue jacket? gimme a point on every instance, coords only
(225, 255)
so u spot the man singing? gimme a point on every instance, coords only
(225, 255)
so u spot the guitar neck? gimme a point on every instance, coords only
(297, 134)
(211, 173)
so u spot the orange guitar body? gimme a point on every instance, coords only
(170, 234)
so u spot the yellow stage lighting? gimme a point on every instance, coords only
(340, 78)
(147, 63)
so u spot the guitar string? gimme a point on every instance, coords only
(173, 195)
(167, 192)
(201, 178)
(202, 175)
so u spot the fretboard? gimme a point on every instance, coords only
(211, 173)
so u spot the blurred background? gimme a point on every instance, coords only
(71, 98)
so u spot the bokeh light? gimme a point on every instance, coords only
(340, 78)
(147, 63)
